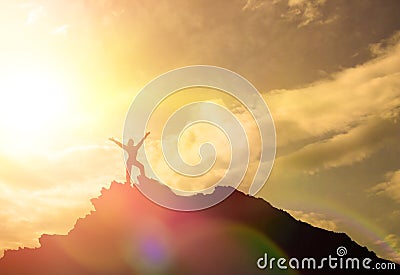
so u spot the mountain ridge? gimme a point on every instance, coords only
(129, 234)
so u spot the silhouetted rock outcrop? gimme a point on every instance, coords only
(129, 234)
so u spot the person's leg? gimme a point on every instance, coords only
(140, 166)
(128, 173)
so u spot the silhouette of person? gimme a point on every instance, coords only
(132, 151)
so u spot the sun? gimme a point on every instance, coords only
(32, 104)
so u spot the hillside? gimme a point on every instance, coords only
(129, 234)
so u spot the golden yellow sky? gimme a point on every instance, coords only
(328, 70)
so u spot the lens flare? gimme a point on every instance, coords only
(154, 95)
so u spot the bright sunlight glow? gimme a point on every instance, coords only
(32, 103)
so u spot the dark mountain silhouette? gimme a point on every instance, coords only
(129, 234)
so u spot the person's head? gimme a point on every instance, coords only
(130, 142)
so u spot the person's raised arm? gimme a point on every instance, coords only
(142, 140)
(117, 142)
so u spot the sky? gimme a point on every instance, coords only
(328, 70)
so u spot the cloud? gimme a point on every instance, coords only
(306, 12)
(354, 146)
(393, 251)
(196, 135)
(61, 30)
(390, 187)
(315, 219)
(342, 120)
(35, 14)
(385, 45)
(74, 164)
(253, 4)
